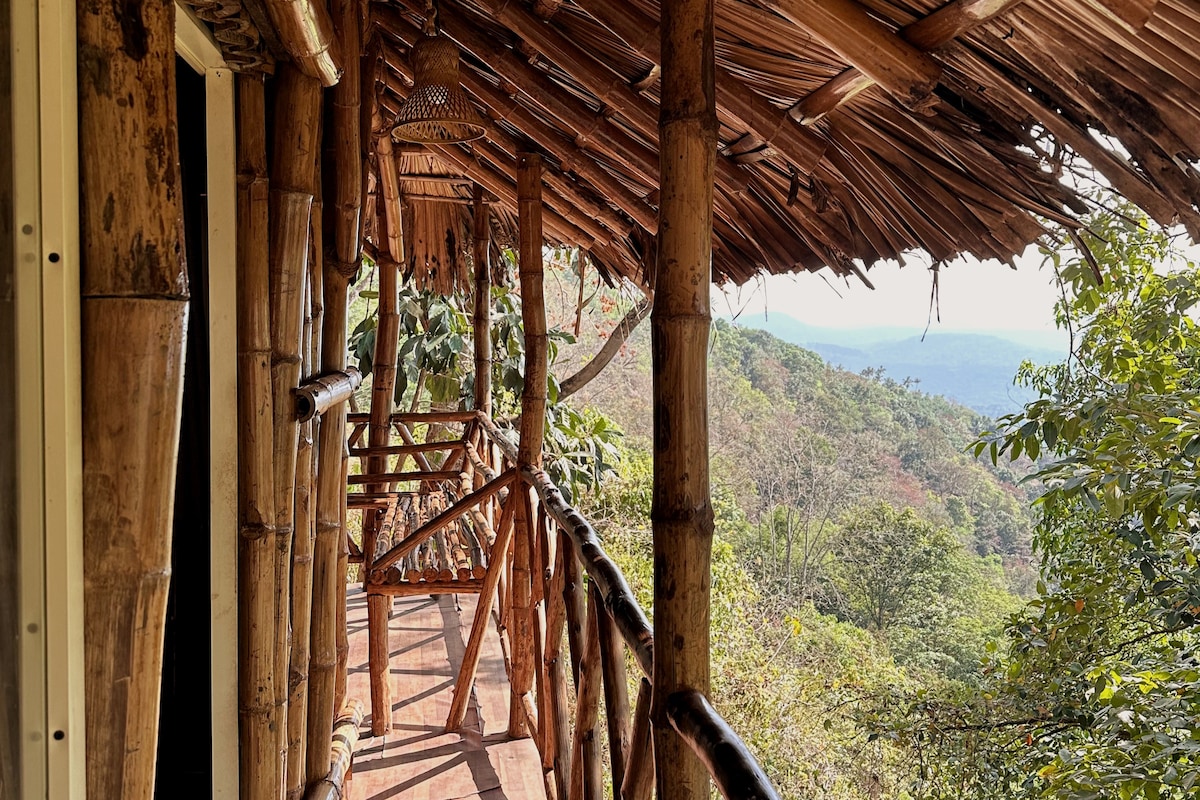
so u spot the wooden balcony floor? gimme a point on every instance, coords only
(418, 760)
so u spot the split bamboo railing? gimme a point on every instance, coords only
(447, 522)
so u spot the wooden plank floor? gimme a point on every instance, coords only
(418, 760)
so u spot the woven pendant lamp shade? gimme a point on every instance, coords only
(437, 111)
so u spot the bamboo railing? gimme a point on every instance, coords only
(586, 619)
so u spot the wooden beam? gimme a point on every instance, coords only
(845, 27)
(763, 120)
(732, 765)
(410, 588)
(681, 507)
(939, 28)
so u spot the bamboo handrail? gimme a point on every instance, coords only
(628, 616)
(728, 760)
(498, 438)
(345, 738)
(318, 395)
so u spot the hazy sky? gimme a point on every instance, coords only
(973, 296)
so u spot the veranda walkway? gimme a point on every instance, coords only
(418, 760)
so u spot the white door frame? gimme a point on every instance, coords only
(49, 409)
(194, 43)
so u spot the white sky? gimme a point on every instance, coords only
(974, 296)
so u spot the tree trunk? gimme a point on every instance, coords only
(611, 347)
(681, 509)
(134, 314)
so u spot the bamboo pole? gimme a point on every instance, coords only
(681, 509)
(343, 261)
(302, 561)
(256, 551)
(306, 529)
(483, 302)
(306, 32)
(293, 180)
(533, 420)
(586, 778)
(382, 387)
(487, 596)
(341, 674)
(616, 693)
(322, 393)
(134, 292)
(345, 738)
(639, 767)
(556, 617)
(328, 572)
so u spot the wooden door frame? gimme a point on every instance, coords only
(194, 43)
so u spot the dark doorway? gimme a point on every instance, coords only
(185, 727)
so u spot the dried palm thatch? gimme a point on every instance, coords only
(850, 132)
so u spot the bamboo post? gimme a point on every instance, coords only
(293, 179)
(639, 767)
(556, 617)
(616, 693)
(681, 510)
(134, 317)
(328, 602)
(345, 257)
(487, 596)
(302, 560)
(586, 777)
(383, 384)
(306, 529)
(342, 643)
(483, 303)
(573, 600)
(327, 671)
(533, 420)
(256, 551)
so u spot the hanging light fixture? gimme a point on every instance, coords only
(438, 110)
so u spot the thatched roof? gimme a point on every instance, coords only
(956, 143)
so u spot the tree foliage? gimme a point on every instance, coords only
(1096, 693)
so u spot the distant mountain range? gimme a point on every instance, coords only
(974, 369)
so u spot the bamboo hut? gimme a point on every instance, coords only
(188, 189)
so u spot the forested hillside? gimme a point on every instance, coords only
(861, 553)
